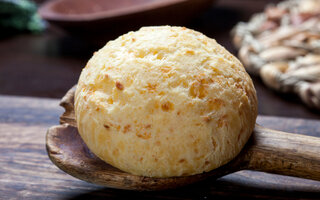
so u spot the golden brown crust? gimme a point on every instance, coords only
(165, 101)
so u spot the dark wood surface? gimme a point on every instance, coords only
(27, 173)
(267, 151)
(48, 64)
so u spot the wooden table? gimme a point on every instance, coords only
(27, 173)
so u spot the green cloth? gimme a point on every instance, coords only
(20, 15)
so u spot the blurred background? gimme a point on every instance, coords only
(45, 59)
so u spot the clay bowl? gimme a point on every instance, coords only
(109, 18)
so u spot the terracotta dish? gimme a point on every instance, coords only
(114, 17)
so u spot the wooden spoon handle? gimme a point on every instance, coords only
(284, 153)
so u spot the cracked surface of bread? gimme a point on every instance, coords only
(165, 101)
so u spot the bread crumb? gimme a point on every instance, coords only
(119, 85)
(165, 69)
(115, 152)
(144, 135)
(214, 143)
(215, 104)
(207, 118)
(222, 121)
(198, 89)
(110, 101)
(151, 87)
(167, 106)
(190, 52)
(127, 128)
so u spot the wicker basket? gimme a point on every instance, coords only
(282, 46)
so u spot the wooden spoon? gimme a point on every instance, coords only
(267, 150)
